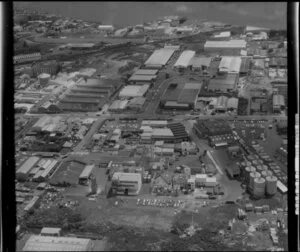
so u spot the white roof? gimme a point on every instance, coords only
(146, 128)
(230, 64)
(225, 34)
(226, 44)
(253, 28)
(119, 104)
(281, 186)
(44, 75)
(30, 162)
(48, 230)
(160, 57)
(121, 176)
(134, 91)
(87, 171)
(140, 77)
(162, 132)
(185, 58)
(278, 100)
(198, 176)
(50, 243)
(211, 179)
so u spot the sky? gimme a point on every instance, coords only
(264, 14)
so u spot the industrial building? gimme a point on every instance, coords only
(223, 83)
(278, 62)
(184, 59)
(278, 103)
(221, 105)
(27, 58)
(50, 243)
(86, 174)
(245, 65)
(155, 123)
(146, 72)
(230, 65)
(232, 103)
(223, 35)
(206, 128)
(231, 47)
(179, 132)
(118, 105)
(49, 107)
(106, 27)
(80, 46)
(46, 231)
(134, 91)
(200, 63)
(89, 95)
(49, 67)
(159, 58)
(126, 183)
(181, 96)
(23, 172)
(142, 79)
(136, 103)
(44, 170)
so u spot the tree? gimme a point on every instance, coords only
(182, 20)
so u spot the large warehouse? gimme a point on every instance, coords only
(23, 171)
(200, 63)
(51, 243)
(230, 65)
(184, 59)
(134, 91)
(181, 96)
(278, 103)
(223, 84)
(159, 58)
(231, 47)
(88, 95)
(126, 183)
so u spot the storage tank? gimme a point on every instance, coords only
(250, 157)
(259, 187)
(247, 173)
(259, 168)
(252, 169)
(271, 185)
(265, 167)
(254, 162)
(260, 161)
(44, 79)
(264, 174)
(256, 156)
(270, 173)
(253, 175)
(248, 163)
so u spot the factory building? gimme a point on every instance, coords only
(179, 132)
(86, 174)
(80, 46)
(159, 58)
(118, 105)
(181, 96)
(200, 63)
(106, 27)
(50, 243)
(90, 95)
(136, 103)
(155, 123)
(232, 103)
(126, 183)
(23, 172)
(25, 58)
(142, 79)
(50, 67)
(207, 128)
(221, 105)
(223, 84)
(230, 65)
(184, 59)
(278, 103)
(222, 35)
(49, 107)
(134, 91)
(231, 47)
(44, 170)
(278, 62)
(245, 65)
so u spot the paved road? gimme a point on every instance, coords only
(88, 136)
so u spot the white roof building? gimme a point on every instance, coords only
(50, 243)
(134, 91)
(26, 167)
(185, 58)
(160, 57)
(155, 123)
(225, 34)
(230, 64)
(234, 44)
(165, 132)
(198, 62)
(232, 103)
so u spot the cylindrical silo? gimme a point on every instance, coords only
(260, 161)
(271, 185)
(250, 157)
(264, 174)
(270, 173)
(248, 163)
(253, 175)
(247, 173)
(259, 187)
(264, 167)
(256, 156)
(259, 168)
(254, 162)
(252, 169)
(44, 79)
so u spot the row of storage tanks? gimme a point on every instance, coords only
(259, 179)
